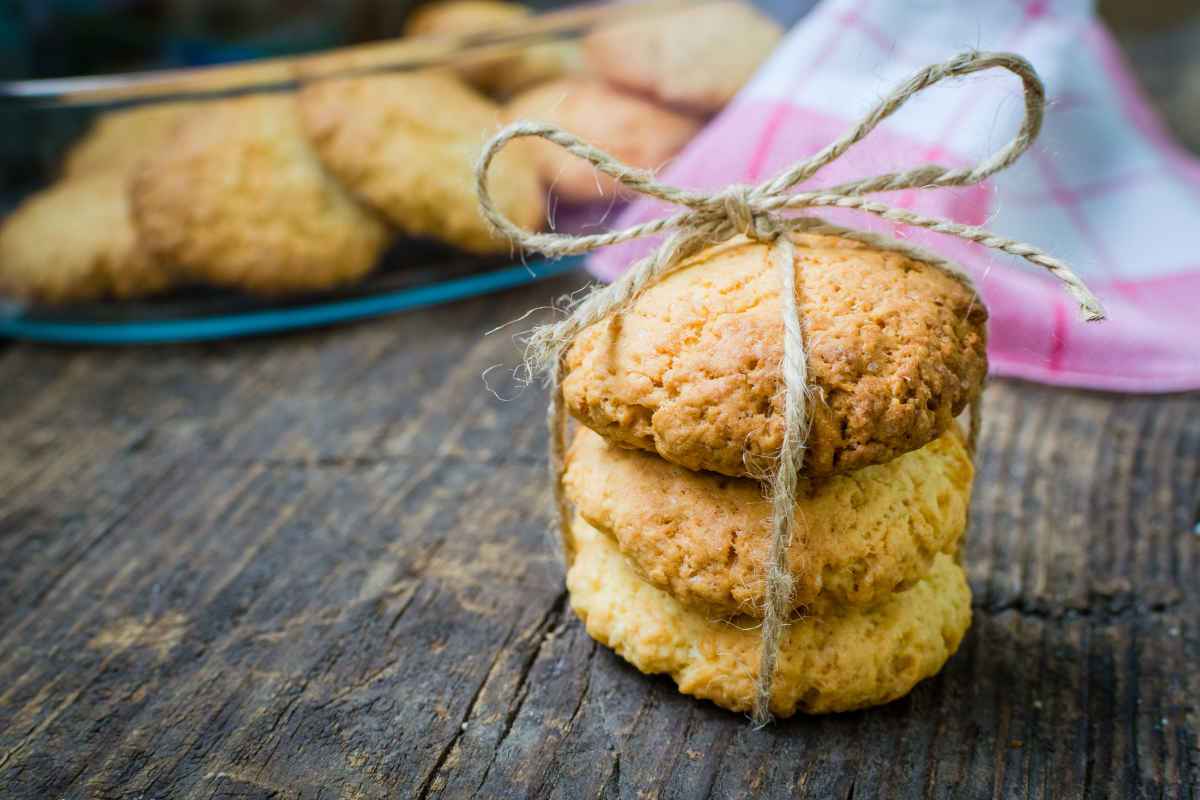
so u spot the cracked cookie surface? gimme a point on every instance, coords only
(703, 537)
(849, 659)
(895, 348)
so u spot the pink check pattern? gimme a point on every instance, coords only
(1104, 188)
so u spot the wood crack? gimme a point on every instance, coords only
(548, 623)
(1056, 613)
(427, 785)
(545, 625)
(612, 785)
(587, 684)
(408, 601)
(288, 711)
(357, 462)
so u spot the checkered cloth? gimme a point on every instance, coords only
(1104, 188)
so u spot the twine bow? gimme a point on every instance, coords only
(757, 212)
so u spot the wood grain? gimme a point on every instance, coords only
(317, 566)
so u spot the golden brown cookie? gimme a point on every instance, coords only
(450, 17)
(238, 198)
(703, 537)
(501, 74)
(696, 58)
(119, 139)
(896, 350)
(407, 145)
(630, 128)
(75, 241)
(845, 660)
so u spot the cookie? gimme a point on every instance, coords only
(632, 129)
(119, 139)
(691, 370)
(75, 242)
(703, 537)
(500, 74)
(694, 58)
(847, 659)
(407, 145)
(452, 17)
(237, 198)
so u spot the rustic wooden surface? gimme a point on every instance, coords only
(316, 566)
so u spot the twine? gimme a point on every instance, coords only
(757, 213)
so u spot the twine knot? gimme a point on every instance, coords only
(758, 213)
(737, 205)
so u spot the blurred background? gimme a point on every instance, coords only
(59, 38)
(93, 276)
(65, 38)
(56, 39)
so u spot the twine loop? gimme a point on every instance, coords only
(761, 213)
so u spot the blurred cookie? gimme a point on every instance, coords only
(407, 145)
(703, 537)
(498, 73)
(845, 660)
(453, 17)
(74, 242)
(635, 131)
(695, 58)
(237, 198)
(119, 139)
(450, 17)
(691, 370)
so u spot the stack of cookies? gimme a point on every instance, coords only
(680, 402)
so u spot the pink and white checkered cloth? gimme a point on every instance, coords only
(1104, 188)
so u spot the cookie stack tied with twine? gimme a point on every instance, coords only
(771, 489)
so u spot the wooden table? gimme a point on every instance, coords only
(317, 566)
